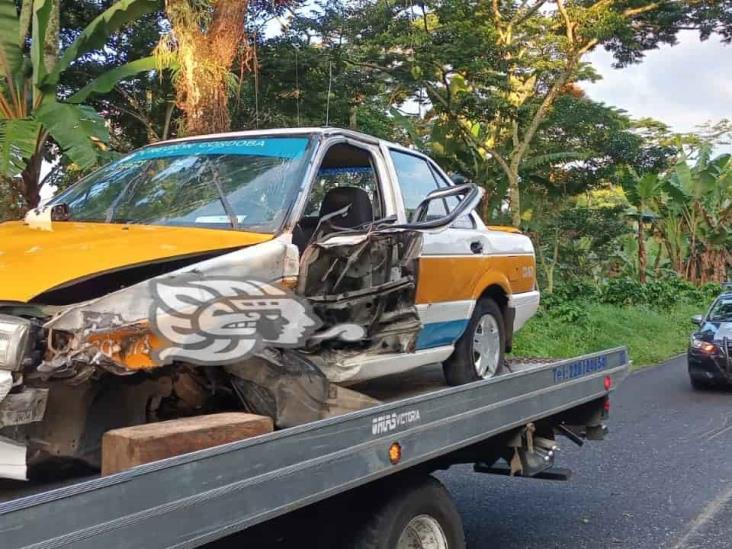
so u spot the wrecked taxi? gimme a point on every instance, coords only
(267, 271)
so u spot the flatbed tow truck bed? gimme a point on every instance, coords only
(196, 498)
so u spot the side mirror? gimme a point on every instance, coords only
(697, 319)
(470, 197)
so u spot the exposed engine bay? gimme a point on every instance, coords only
(82, 370)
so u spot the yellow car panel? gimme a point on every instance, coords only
(454, 278)
(33, 261)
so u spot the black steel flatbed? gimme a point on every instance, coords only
(196, 498)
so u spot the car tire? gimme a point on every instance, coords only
(467, 363)
(420, 513)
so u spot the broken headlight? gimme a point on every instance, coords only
(16, 343)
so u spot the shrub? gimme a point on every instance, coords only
(623, 291)
(568, 302)
(577, 290)
(569, 298)
(570, 311)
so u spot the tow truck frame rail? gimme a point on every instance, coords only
(193, 499)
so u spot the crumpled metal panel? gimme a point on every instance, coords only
(26, 406)
(368, 279)
(286, 386)
(282, 385)
(267, 261)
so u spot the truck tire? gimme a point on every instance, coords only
(420, 513)
(486, 329)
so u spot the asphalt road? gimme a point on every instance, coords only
(663, 478)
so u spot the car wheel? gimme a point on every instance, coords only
(479, 353)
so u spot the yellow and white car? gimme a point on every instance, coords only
(200, 274)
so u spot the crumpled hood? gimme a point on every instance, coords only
(33, 260)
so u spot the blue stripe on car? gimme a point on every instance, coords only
(437, 334)
(279, 147)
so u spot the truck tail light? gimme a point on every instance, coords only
(608, 383)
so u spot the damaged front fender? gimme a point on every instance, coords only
(114, 331)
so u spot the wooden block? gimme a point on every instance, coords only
(130, 446)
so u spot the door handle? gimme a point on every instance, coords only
(476, 247)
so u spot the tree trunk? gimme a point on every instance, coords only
(657, 262)
(519, 152)
(514, 198)
(642, 259)
(713, 266)
(51, 44)
(29, 186)
(205, 58)
(24, 20)
(485, 207)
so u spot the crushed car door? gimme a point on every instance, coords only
(360, 266)
(356, 267)
(452, 256)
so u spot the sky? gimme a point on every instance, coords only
(683, 85)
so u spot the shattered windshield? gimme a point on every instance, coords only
(721, 311)
(234, 183)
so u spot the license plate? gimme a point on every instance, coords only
(25, 407)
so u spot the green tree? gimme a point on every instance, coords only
(493, 70)
(139, 109)
(643, 191)
(306, 76)
(32, 111)
(699, 205)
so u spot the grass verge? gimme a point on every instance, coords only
(652, 336)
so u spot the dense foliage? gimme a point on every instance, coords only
(652, 319)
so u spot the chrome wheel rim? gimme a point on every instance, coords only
(486, 346)
(422, 532)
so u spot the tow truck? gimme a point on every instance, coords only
(376, 463)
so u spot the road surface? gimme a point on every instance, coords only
(663, 478)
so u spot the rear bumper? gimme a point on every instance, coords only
(525, 304)
(708, 368)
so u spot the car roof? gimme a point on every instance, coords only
(325, 131)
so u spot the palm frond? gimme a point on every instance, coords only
(105, 82)
(11, 56)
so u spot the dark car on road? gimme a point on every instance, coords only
(711, 344)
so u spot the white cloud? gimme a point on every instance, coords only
(683, 85)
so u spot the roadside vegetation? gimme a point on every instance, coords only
(652, 320)
(492, 89)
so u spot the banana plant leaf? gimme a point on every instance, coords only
(18, 142)
(96, 34)
(78, 129)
